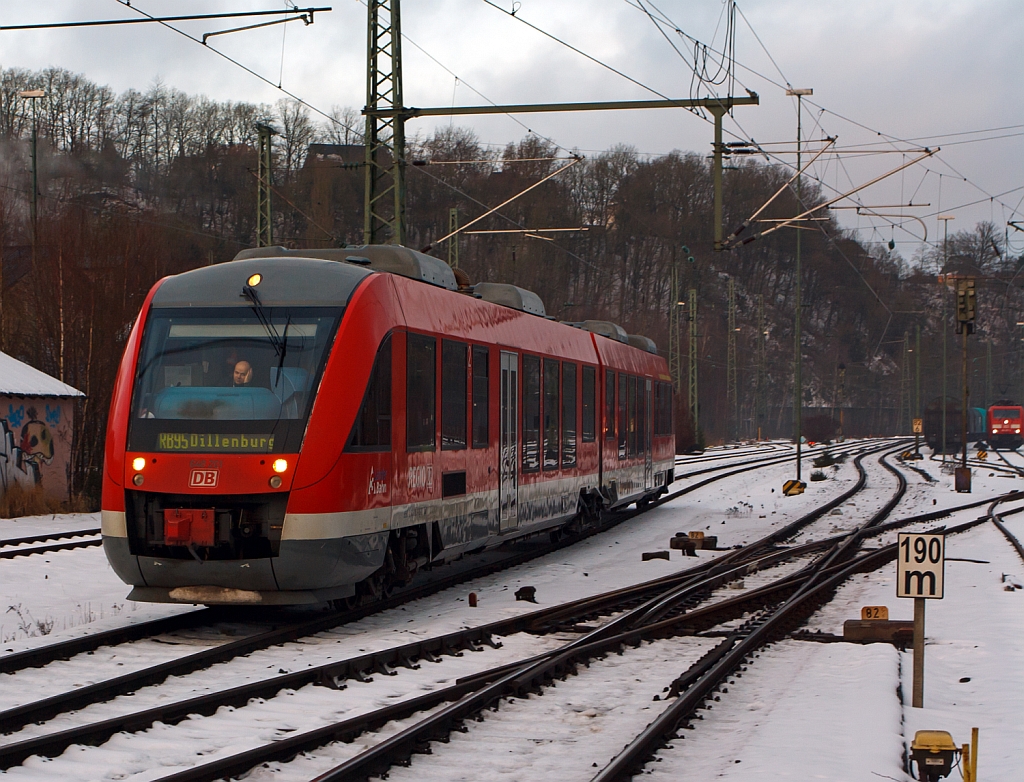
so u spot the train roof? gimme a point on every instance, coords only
(285, 281)
(329, 276)
(389, 258)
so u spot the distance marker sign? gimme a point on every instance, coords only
(920, 563)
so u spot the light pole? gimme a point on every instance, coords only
(945, 259)
(842, 398)
(34, 96)
(917, 390)
(798, 396)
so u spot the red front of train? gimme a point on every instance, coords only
(1004, 426)
(287, 429)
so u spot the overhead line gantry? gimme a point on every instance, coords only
(386, 115)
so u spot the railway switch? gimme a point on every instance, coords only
(934, 752)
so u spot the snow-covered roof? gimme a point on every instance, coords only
(19, 379)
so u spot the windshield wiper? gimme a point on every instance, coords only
(284, 349)
(257, 306)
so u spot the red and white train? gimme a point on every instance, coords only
(1005, 420)
(299, 426)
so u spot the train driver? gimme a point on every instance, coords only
(242, 374)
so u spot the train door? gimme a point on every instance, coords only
(508, 457)
(648, 437)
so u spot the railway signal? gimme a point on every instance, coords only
(920, 565)
(966, 311)
(966, 305)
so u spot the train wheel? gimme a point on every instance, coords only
(345, 604)
(381, 584)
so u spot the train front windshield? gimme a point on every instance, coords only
(228, 380)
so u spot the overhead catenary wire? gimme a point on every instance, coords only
(335, 120)
(889, 138)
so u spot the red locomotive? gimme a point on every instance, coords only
(299, 426)
(1004, 424)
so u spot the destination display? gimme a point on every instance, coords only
(207, 442)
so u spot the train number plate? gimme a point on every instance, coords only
(203, 479)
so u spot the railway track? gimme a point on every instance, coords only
(20, 547)
(699, 583)
(647, 622)
(12, 719)
(468, 697)
(997, 519)
(63, 650)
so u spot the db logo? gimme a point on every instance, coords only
(204, 479)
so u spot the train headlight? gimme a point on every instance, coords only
(1017, 431)
(1006, 420)
(280, 465)
(993, 431)
(138, 479)
(254, 280)
(275, 481)
(138, 463)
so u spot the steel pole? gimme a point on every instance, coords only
(918, 691)
(917, 392)
(35, 180)
(945, 261)
(797, 380)
(944, 329)
(963, 417)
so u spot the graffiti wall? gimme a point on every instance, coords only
(35, 443)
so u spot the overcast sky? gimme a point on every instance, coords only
(919, 73)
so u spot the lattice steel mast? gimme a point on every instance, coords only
(384, 200)
(675, 359)
(731, 386)
(761, 401)
(692, 379)
(264, 180)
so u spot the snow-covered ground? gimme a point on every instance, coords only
(53, 596)
(802, 711)
(61, 594)
(809, 710)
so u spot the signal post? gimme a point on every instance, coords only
(966, 310)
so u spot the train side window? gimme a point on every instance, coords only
(660, 397)
(609, 405)
(481, 411)
(453, 395)
(568, 415)
(589, 429)
(641, 416)
(421, 373)
(531, 414)
(550, 414)
(623, 424)
(372, 428)
(631, 413)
